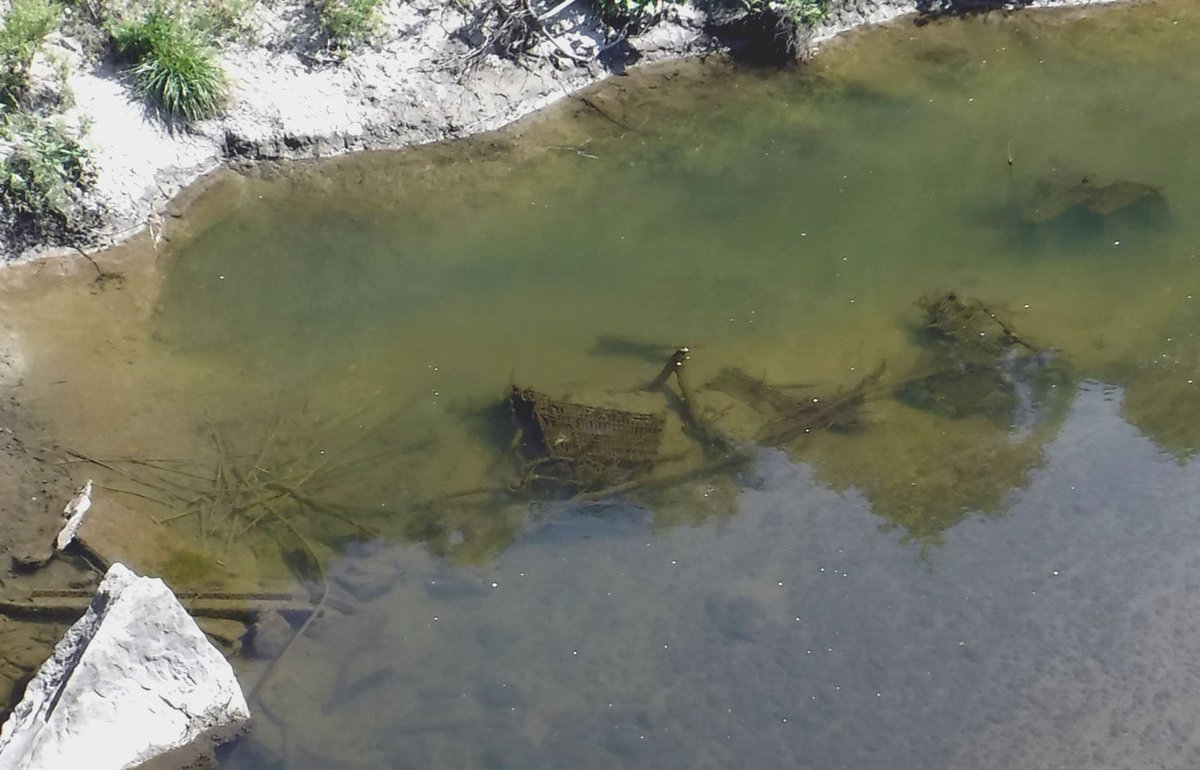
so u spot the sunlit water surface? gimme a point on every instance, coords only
(924, 592)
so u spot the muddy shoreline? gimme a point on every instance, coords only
(408, 90)
(33, 488)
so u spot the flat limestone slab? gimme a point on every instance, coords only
(134, 683)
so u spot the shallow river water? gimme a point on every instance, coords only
(944, 586)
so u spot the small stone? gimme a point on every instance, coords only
(357, 676)
(32, 555)
(226, 633)
(366, 580)
(269, 636)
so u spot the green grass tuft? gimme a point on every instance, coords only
(348, 24)
(174, 66)
(26, 24)
(801, 13)
(227, 19)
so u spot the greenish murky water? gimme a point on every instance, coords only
(993, 569)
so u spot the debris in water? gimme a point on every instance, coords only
(76, 509)
(790, 417)
(578, 447)
(1052, 198)
(977, 364)
(968, 328)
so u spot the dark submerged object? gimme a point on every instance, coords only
(587, 452)
(627, 347)
(957, 392)
(1053, 199)
(976, 364)
(967, 329)
(791, 417)
(578, 448)
(582, 451)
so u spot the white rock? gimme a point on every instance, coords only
(76, 509)
(133, 680)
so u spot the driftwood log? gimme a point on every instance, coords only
(69, 604)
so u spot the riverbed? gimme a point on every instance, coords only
(947, 584)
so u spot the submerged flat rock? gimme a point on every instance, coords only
(1053, 198)
(133, 681)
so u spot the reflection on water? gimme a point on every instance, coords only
(938, 282)
(1163, 399)
(793, 636)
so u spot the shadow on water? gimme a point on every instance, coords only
(1063, 214)
(649, 352)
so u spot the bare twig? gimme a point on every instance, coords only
(320, 606)
(318, 506)
(556, 10)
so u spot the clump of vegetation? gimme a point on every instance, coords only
(796, 12)
(175, 66)
(44, 170)
(767, 31)
(625, 13)
(26, 25)
(348, 24)
(44, 177)
(227, 19)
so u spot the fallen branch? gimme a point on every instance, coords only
(648, 485)
(74, 512)
(318, 506)
(262, 681)
(53, 606)
(540, 28)
(556, 10)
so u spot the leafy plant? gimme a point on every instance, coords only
(44, 175)
(227, 19)
(622, 13)
(807, 12)
(796, 12)
(348, 24)
(26, 24)
(174, 65)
